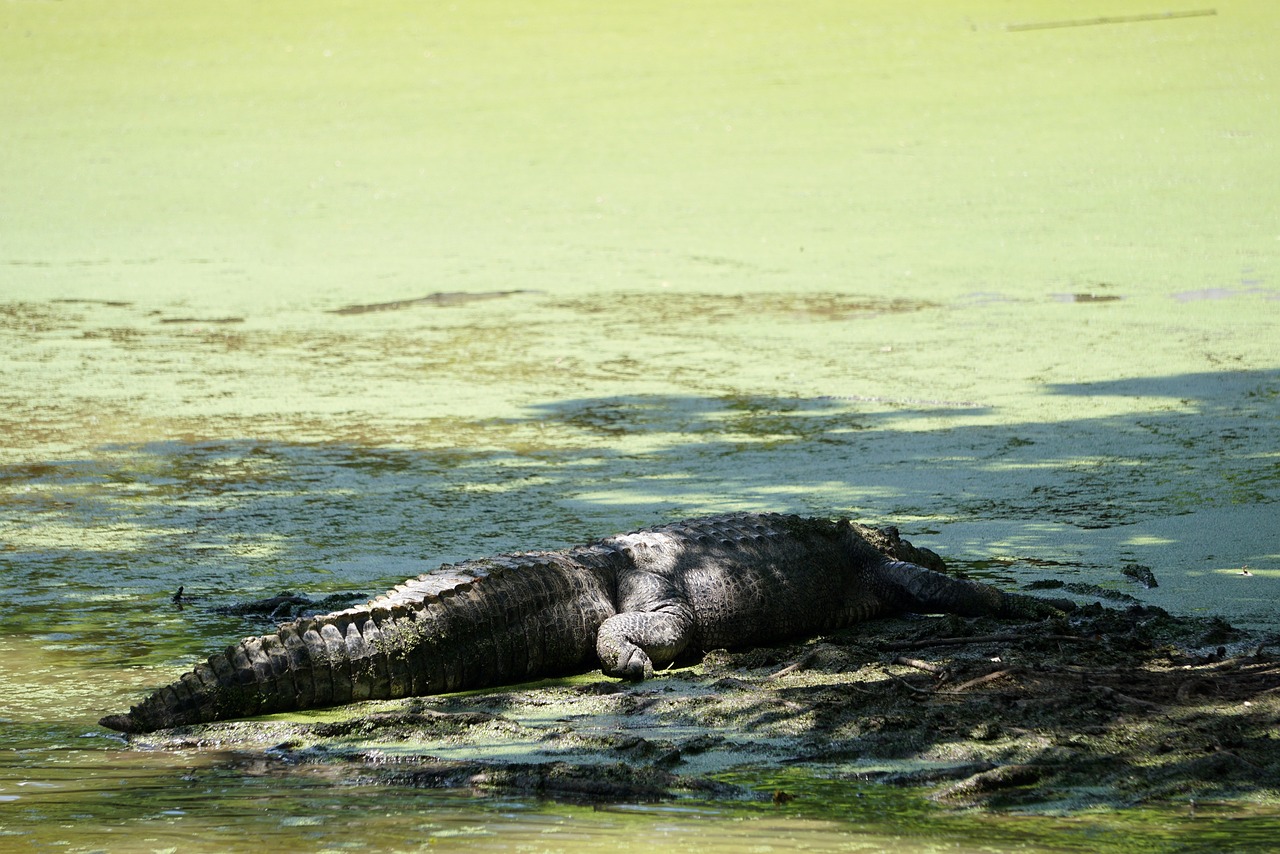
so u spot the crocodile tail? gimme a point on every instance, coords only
(1018, 605)
(358, 654)
(481, 624)
(915, 588)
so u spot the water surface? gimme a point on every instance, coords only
(1014, 290)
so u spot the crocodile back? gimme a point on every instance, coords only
(755, 578)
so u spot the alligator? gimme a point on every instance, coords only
(637, 602)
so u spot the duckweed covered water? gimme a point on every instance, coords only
(89, 799)
(1014, 290)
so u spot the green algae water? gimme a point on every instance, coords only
(88, 799)
(315, 297)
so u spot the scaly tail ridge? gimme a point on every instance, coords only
(330, 660)
(484, 623)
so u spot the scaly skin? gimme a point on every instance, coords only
(636, 601)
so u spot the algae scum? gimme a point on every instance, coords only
(1110, 708)
(315, 297)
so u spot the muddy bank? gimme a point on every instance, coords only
(1106, 708)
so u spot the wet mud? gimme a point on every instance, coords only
(1107, 707)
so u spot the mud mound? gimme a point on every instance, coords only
(1106, 707)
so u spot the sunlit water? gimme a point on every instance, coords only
(1013, 289)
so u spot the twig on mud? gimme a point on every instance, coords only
(857, 690)
(803, 662)
(960, 689)
(982, 680)
(799, 664)
(905, 684)
(928, 642)
(926, 666)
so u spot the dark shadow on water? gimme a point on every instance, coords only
(238, 520)
(1208, 389)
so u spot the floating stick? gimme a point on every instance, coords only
(1110, 19)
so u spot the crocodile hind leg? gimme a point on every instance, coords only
(653, 625)
(630, 645)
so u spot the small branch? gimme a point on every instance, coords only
(928, 642)
(982, 680)
(905, 684)
(922, 644)
(926, 666)
(959, 689)
(799, 664)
